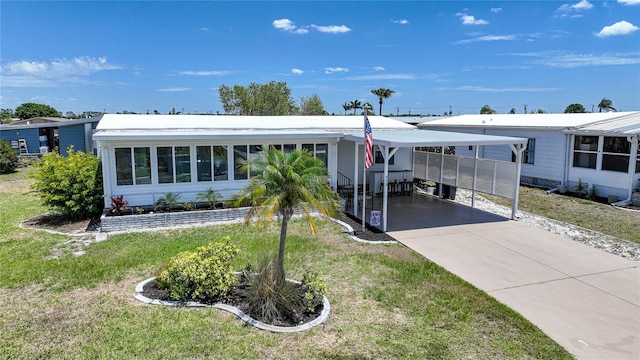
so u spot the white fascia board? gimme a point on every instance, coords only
(207, 135)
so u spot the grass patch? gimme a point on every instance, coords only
(387, 302)
(588, 214)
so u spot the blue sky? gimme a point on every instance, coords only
(145, 55)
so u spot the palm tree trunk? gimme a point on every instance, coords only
(283, 238)
(380, 113)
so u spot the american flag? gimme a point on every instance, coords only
(368, 144)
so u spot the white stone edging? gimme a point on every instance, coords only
(352, 235)
(232, 309)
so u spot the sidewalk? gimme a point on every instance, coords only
(585, 299)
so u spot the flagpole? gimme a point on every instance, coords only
(364, 173)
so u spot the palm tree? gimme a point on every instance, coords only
(382, 93)
(284, 182)
(346, 106)
(355, 105)
(605, 104)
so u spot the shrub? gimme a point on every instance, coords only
(202, 274)
(315, 287)
(70, 185)
(269, 297)
(118, 205)
(211, 197)
(169, 202)
(8, 158)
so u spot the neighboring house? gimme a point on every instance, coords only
(146, 156)
(42, 135)
(600, 149)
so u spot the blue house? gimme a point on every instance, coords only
(42, 135)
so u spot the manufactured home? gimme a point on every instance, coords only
(597, 149)
(146, 156)
(43, 135)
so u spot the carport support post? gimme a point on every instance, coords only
(440, 195)
(385, 192)
(518, 149)
(475, 175)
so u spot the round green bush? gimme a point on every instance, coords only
(8, 158)
(202, 274)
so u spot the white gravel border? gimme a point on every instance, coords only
(610, 244)
(244, 317)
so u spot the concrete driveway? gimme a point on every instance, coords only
(586, 299)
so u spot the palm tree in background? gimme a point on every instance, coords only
(355, 105)
(346, 106)
(605, 104)
(382, 93)
(284, 182)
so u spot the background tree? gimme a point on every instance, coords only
(32, 110)
(346, 107)
(575, 108)
(312, 105)
(538, 111)
(512, 111)
(368, 108)
(273, 98)
(282, 183)
(487, 110)
(605, 104)
(355, 105)
(6, 115)
(382, 93)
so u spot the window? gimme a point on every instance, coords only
(638, 161)
(239, 159)
(124, 175)
(616, 154)
(183, 164)
(126, 166)
(528, 154)
(585, 151)
(220, 168)
(379, 159)
(165, 164)
(319, 151)
(142, 161)
(203, 161)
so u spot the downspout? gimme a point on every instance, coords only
(355, 180)
(567, 159)
(631, 170)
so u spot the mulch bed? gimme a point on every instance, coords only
(370, 233)
(62, 223)
(237, 297)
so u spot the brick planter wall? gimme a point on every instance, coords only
(161, 220)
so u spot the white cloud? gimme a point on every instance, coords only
(297, 71)
(288, 25)
(401, 22)
(619, 28)
(488, 38)
(496, 10)
(471, 20)
(331, 29)
(174, 89)
(560, 59)
(26, 73)
(378, 68)
(582, 5)
(332, 70)
(206, 72)
(629, 2)
(204, 29)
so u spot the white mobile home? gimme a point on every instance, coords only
(562, 148)
(147, 156)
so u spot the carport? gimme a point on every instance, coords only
(475, 174)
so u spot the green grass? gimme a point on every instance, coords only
(588, 214)
(387, 302)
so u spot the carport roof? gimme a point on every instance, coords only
(413, 138)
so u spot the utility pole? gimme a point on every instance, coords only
(525, 108)
(398, 111)
(450, 111)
